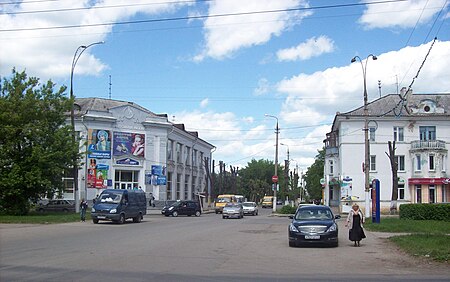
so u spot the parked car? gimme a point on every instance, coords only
(280, 202)
(117, 205)
(250, 208)
(313, 225)
(183, 207)
(167, 204)
(233, 210)
(57, 206)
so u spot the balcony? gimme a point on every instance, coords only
(436, 145)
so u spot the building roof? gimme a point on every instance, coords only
(393, 105)
(103, 105)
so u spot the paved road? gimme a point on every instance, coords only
(206, 248)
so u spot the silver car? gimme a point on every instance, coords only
(250, 208)
(233, 210)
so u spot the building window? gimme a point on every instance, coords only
(444, 163)
(427, 133)
(201, 159)
(187, 154)
(372, 134)
(418, 193)
(431, 164)
(400, 162)
(418, 163)
(194, 189)
(432, 194)
(194, 158)
(373, 163)
(331, 165)
(178, 186)
(178, 152)
(170, 150)
(401, 191)
(398, 134)
(169, 186)
(186, 187)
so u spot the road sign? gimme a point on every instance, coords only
(275, 178)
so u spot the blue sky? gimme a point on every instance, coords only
(219, 75)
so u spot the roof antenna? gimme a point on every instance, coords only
(110, 87)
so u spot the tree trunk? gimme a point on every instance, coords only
(394, 169)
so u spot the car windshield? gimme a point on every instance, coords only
(313, 214)
(176, 204)
(110, 197)
(224, 200)
(247, 204)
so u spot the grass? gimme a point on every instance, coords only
(42, 218)
(427, 238)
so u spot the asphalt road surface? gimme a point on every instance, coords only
(205, 248)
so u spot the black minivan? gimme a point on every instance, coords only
(117, 205)
(183, 207)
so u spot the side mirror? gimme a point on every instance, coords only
(291, 217)
(337, 216)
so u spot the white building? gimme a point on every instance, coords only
(420, 125)
(126, 146)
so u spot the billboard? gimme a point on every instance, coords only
(99, 144)
(129, 144)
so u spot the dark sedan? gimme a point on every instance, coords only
(313, 225)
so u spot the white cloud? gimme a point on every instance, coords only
(204, 103)
(316, 97)
(313, 47)
(400, 14)
(263, 87)
(224, 36)
(49, 53)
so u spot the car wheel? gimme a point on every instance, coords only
(292, 244)
(95, 221)
(175, 214)
(217, 212)
(137, 219)
(122, 219)
(198, 213)
(224, 217)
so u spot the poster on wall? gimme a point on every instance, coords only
(97, 175)
(99, 144)
(346, 187)
(129, 144)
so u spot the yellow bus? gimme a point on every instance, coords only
(267, 202)
(222, 200)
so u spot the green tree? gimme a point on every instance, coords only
(35, 143)
(256, 179)
(313, 175)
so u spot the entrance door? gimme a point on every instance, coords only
(126, 185)
(126, 179)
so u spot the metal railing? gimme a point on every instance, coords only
(429, 144)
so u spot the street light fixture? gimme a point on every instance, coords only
(366, 133)
(76, 56)
(277, 131)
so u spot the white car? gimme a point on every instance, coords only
(250, 208)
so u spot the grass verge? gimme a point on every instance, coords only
(427, 238)
(42, 218)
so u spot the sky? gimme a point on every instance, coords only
(221, 66)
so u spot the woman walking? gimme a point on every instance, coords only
(355, 221)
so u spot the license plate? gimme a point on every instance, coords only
(101, 217)
(312, 237)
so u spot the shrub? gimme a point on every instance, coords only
(425, 211)
(287, 210)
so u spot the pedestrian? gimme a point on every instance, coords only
(83, 208)
(355, 221)
(153, 201)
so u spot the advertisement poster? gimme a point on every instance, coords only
(129, 144)
(97, 175)
(157, 175)
(346, 187)
(99, 141)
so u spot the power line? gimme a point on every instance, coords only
(203, 16)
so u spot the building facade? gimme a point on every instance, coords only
(126, 146)
(420, 126)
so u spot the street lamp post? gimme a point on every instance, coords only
(277, 131)
(76, 56)
(366, 133)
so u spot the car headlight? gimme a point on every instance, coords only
(171, 208)
(92, 210)
(293, 228)
(332, 228)
(113, 211)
